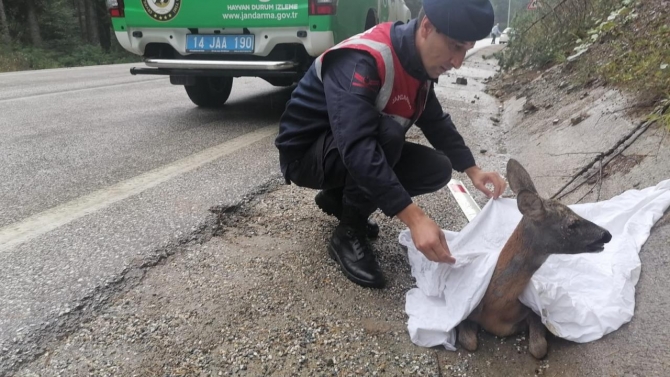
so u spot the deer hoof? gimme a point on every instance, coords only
(538, 347)
(467, 336)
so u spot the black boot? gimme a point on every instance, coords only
(349, 247)
(330, 202)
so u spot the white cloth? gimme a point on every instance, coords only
(579, 297)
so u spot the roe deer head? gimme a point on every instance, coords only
(547, 227)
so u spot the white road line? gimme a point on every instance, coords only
(48, 71)
(41, 223)
(69, 91)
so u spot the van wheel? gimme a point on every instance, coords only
(210, 91)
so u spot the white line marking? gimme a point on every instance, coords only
(41, 223)
(102, 67)
(37, 95)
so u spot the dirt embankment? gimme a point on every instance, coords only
(593, 140)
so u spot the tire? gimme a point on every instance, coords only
(210, 91)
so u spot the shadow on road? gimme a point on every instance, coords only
(263, 107)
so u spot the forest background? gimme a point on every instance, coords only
(39, 34)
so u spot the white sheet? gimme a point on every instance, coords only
(579, 297)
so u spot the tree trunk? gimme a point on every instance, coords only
(92, 22)
(33, 25)
(104, 25)
(4, 28)
(79, 4)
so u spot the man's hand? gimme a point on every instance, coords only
(481, 178)
(427, 236)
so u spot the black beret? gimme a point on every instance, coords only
(463, 20)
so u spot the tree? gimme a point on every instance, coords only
(33, 25)
(104, 25)
(4, 27)
(92, 22)
(500, 9)
(81, 16)
(504, 8)
(414, 6)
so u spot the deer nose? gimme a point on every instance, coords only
(607, 237)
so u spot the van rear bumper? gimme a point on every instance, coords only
(221, 64)
(209, 68)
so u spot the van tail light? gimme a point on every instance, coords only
(115, 8)
(322, 7)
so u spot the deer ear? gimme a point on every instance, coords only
(518, 177)
(531, 205)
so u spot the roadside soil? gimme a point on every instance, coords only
(262, 297)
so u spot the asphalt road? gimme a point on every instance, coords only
(101, 171)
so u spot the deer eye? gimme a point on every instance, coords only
(573, 224)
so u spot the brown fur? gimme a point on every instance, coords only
(543, 230)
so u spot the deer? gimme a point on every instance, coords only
(547, 227)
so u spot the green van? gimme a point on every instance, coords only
(204, 44)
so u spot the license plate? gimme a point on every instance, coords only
(220, 43)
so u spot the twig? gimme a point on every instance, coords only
(563, 195)
(644, 126)
(543, 17)
(605, 164)
(600, 181)
(611, 353)
(585, 195)
(665, 133)
(437, 360)
(598, 121)
(553, 176)
(635, 105)
(571, 153)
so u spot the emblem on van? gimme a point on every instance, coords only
(162, 10)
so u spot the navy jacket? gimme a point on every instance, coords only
(349, 112)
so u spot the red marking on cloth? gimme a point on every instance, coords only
(365, 82)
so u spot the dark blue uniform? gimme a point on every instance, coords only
(331, 134)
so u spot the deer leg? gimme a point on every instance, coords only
(537, 341)
(467, 335)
